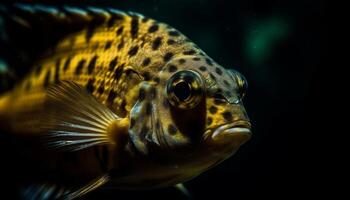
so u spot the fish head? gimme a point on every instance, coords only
(196, 117)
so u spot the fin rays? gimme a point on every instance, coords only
(74, 119)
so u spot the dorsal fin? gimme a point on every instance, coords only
(27, 30)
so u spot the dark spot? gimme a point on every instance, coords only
(172, 129)
(153, 28)
(47, 79)
(146, 62)
(80, 67)
(156, 43)
(146, 76)
(111, 96)
(100, 89)
(148, 109)
(118, 72)
(213, 109)
(115, 17)
(113, 63)
(168, 56)
(38, 70)
(132, 123)
(92, 64)
(182, 61)
(57, 71)
(172, 68)
(66, 64)
(212, 76)
(227, 116)
(142, 94)
(209, 62)
(203, 68)
(90, 86)
(145, 19)
(133, 51)
(218, 71)
(189, 52)
(134, 27)
(226, 83)
(120, 30)
(111, 22)
(174, 33)
(209, 121)
(196, 59)
(121, 45)
(171, 42)
(108, 45)
(91, 28)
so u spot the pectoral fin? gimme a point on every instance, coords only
(46, 191)
(74, 119)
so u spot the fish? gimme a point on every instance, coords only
(114, 97)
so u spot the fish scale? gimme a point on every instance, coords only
(80, 49)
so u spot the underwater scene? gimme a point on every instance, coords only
(172, 99)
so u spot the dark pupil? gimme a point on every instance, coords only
(182, 91)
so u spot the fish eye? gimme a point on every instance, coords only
(241, 82)
(185, 89)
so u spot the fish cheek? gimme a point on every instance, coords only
(191, 123)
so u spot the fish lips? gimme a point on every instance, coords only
(236, 133)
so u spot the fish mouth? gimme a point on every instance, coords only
(239, 131)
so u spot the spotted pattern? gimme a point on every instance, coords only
(172, 68)
(92, 64)
(171, 42)
(90, 86)
(153, 28)
(213, 109)
(189, 52)
(134, 27)
(113, 63)
(79, 68)
(227, 116)
(120, 30)
(146, 62)
(156, 43)
(133, 51)
(168, 56)
(203, 68)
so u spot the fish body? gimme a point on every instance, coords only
(124, 99)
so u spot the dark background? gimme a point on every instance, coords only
(278, 46)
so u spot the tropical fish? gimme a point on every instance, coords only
(114, 97)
